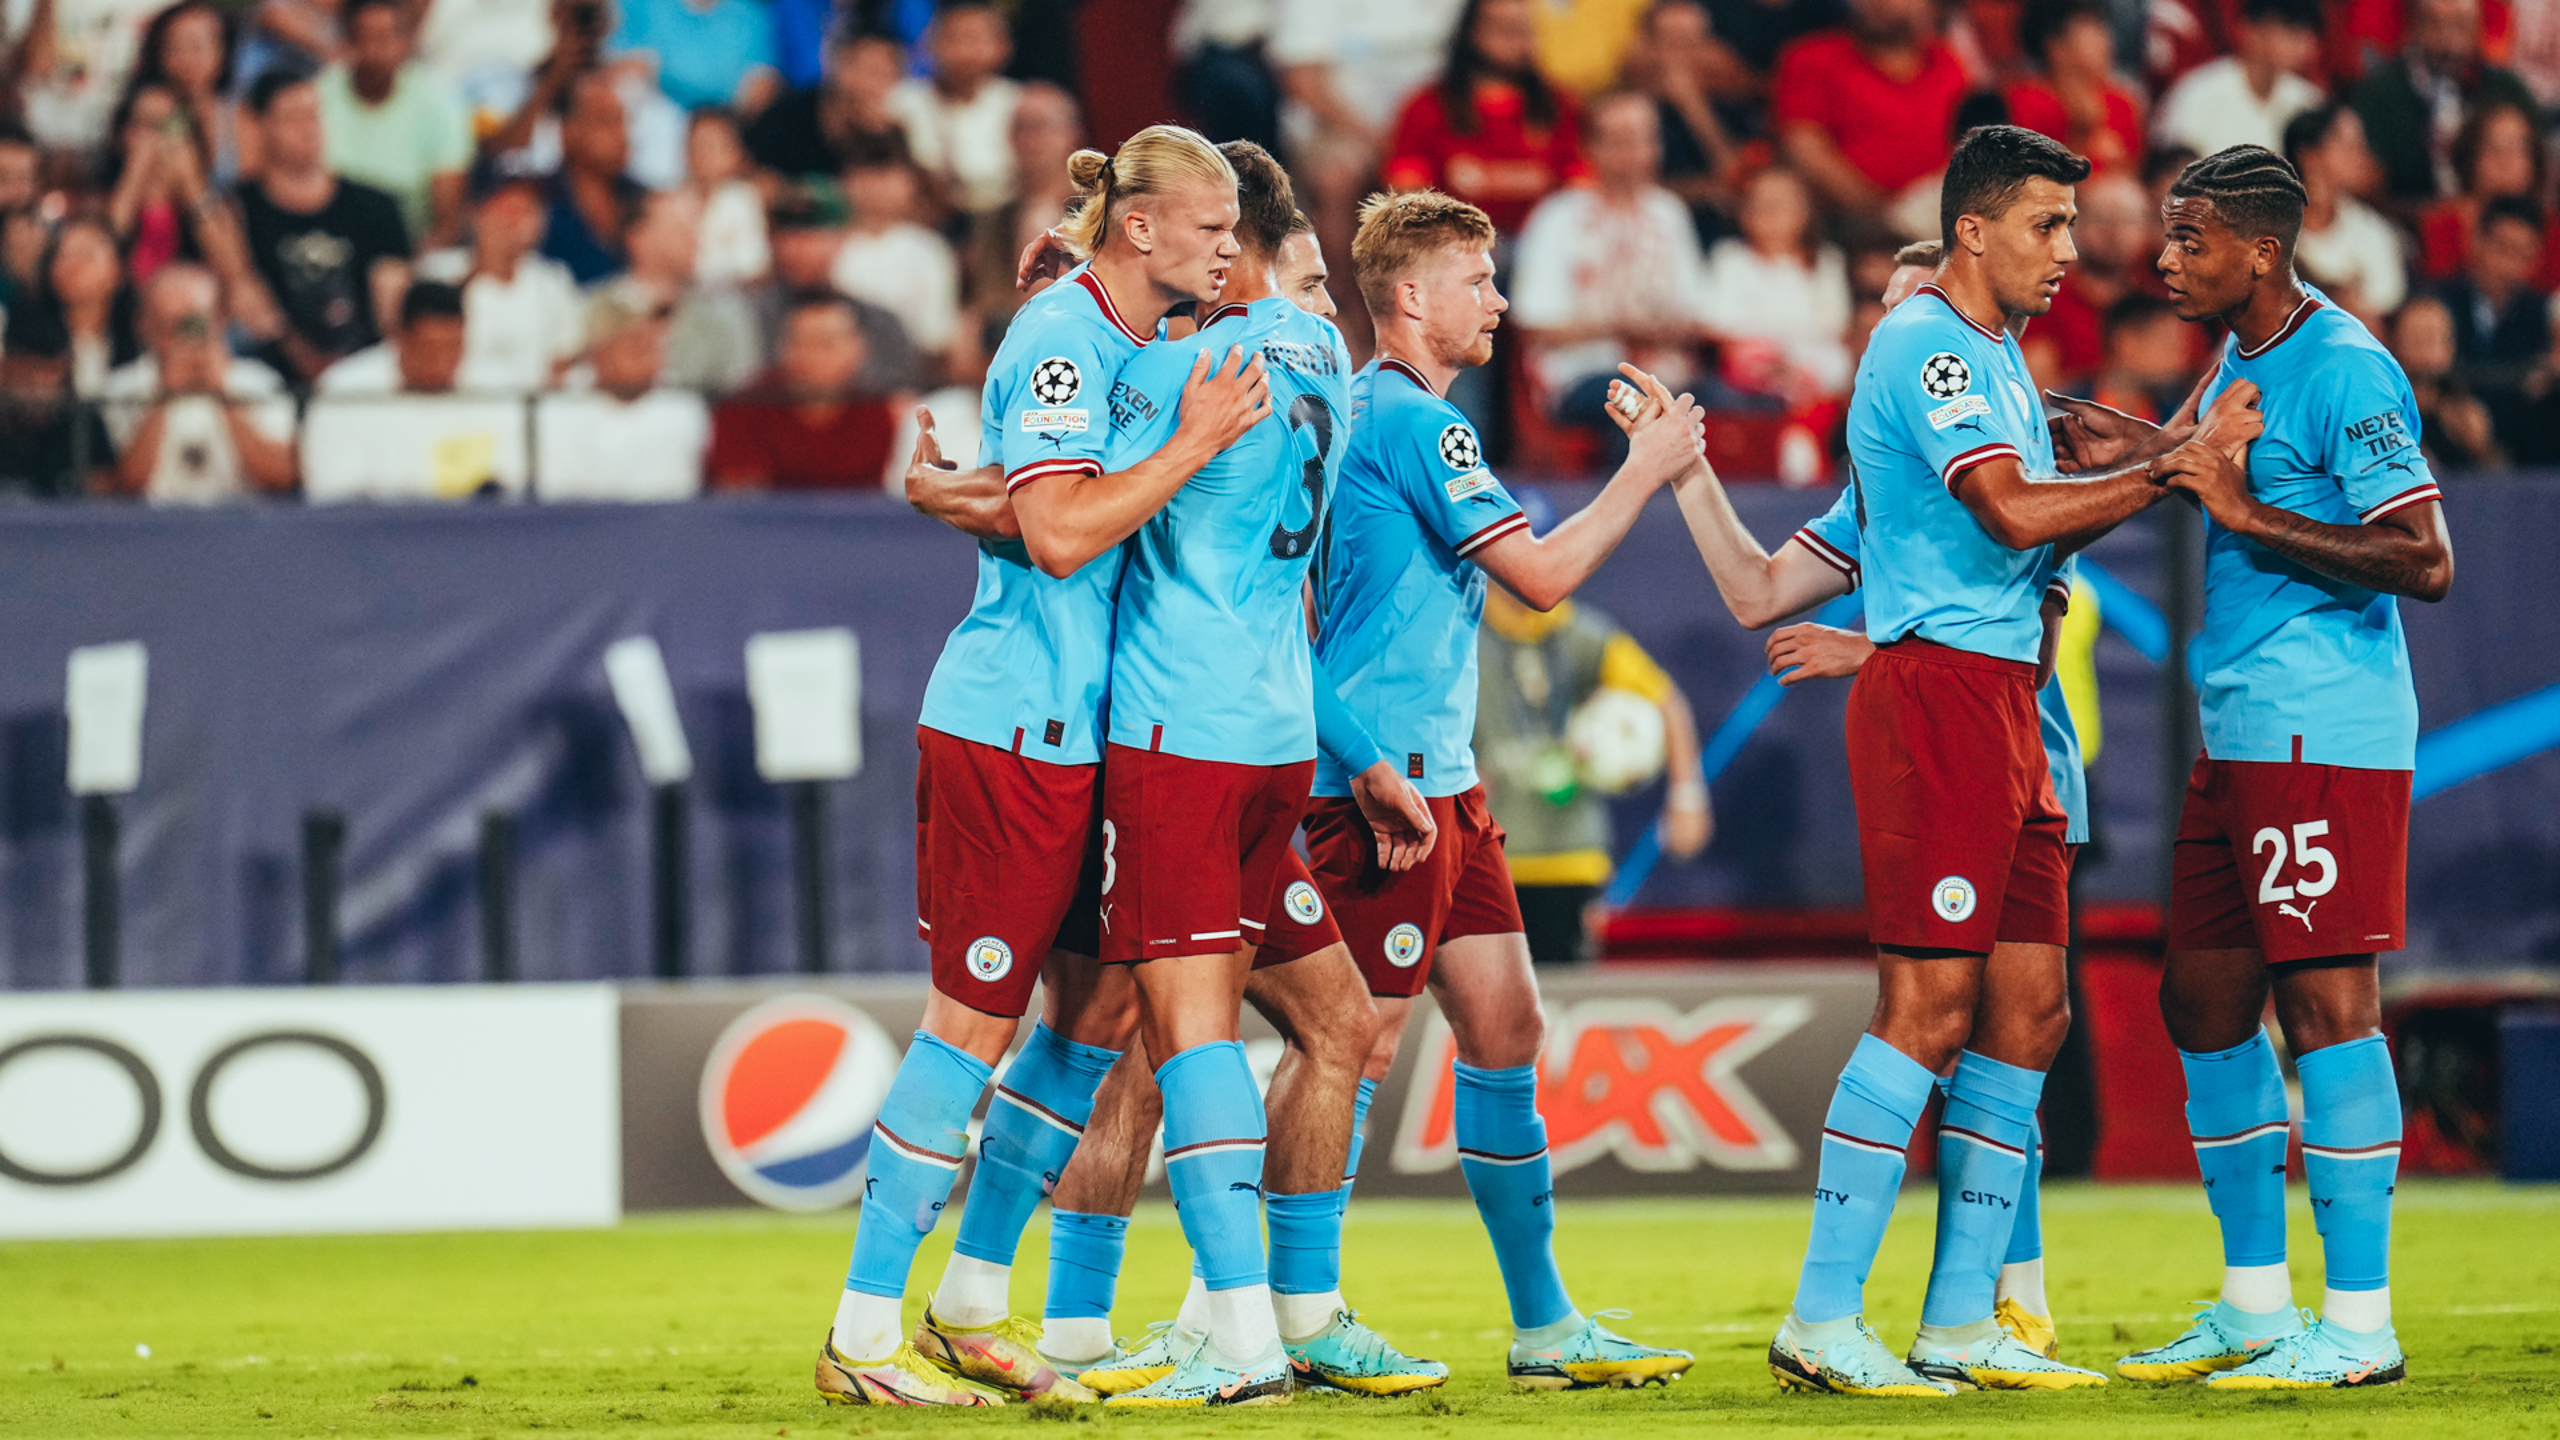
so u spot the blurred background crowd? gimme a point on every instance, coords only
(641, 249)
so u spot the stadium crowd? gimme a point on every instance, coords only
(636, 249)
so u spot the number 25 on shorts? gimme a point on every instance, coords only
(2303, 854)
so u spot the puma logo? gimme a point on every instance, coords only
(2285, 907)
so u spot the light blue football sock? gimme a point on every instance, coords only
(1042, 1102)
(1213, 1132)
(1085, 1252)
(1502, 1147)
(1306, 1242)
(2236, 1115)
(1982, 1164)
(917, 1144)
(2026, 1233)
(1359, 1134)
(2351, 1156)
(1879, 1099)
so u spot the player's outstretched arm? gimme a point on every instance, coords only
(2407, 552)
(1817, 652)
(1760, 589)
(1067, 520)
(2023, 512)
(973, 502)
(1664, 442)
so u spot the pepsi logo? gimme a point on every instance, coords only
(788, 1097)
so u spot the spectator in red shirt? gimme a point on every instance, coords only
(2077, 100)
(803, 425)
(1492, 131)
(2498, 154)
(1868, 113)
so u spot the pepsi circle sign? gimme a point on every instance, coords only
(788, 1098)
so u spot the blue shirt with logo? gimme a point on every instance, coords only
(1936, 395)
(1211, 659)
(1833, 536)
(1399, 598)
(2299, 666)
(1027, 669)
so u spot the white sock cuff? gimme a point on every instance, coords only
(2257, 1289)
(1193, 1317)
(1241, 1323)
(2024, 1283)
(2366, 1312)
(1075, 1338)
(973, 1292)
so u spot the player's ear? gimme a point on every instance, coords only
(1140, 229)
(1969, 233)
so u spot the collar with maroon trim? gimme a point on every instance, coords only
(1222, 312)
(2301, 315)
(1950, 302)
(1389, 362)
(1110, 312)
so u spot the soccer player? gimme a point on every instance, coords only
(1417, 525)
(1304, 982)
(1821, 562)
(1007, 790)
(2292, 850)
(1960, 832)
(1212, 742)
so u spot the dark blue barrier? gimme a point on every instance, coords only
(415, 670)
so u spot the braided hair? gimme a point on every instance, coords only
(2252, 189)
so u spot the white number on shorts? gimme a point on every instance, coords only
(1110, 866)
(2303, 853)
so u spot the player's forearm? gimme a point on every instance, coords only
(2395, 555)
(1760, 589)
(2023, 514)
(1339, 733)
(1067, 520)
(1544, 570)
(972, 502)
(1740, 569)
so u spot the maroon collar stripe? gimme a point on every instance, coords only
(1409, 373)
(2295, 321)
(1950, 302)
(1110, 311)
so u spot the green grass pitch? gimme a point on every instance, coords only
(705, 1325)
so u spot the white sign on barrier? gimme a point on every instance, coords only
(806, 687)
(260, 1111)
(103, 697)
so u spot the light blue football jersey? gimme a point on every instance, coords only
(1935, 395)
(1399, 598)
(1833, 537)
(1027, 669)
(2298, 666)
(1210, 656)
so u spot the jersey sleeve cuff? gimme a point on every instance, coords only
(2414, 495)
(1508, 524)
(1042, 469)
(1979, 455)
(1829, 554)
